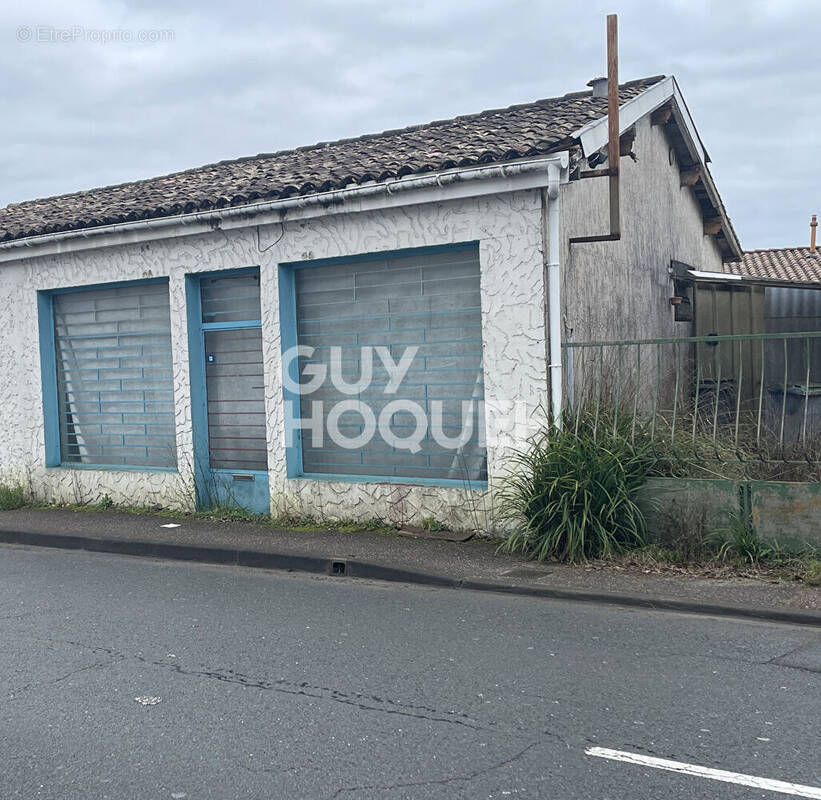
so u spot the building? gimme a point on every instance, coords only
(768, 298)
(790, 278)
(358, 329)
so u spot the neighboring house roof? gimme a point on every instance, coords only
(495, 136)
(779, 264)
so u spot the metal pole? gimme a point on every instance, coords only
(613, 120)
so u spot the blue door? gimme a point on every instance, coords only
(228, 392)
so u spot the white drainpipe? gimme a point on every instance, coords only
(554, 305)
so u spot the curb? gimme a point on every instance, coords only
(344, 567)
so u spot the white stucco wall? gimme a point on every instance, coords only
(508, 229)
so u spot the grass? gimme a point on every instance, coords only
(653, 559)
(571, 494)
(235, 514)
(572, 497)
(732, 550)
(812, 574)
(742, 546)
(739, 541)
(12, 497)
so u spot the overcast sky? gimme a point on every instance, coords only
(236, 78)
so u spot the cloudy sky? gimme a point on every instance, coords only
(183, 86)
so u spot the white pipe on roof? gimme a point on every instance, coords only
(432, 187)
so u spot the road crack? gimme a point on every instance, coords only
(360, 700)
(439, 781)
(14, 693)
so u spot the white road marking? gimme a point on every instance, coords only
(707, 772)
(170, 525)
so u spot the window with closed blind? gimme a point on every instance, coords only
(420, 303)
(114, 380)
(234, 378)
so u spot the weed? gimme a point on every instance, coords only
(682, 532)
(571, 493)
(812, 575)
(310, 524)
(432, 524)
(230, 513)
(739, 540)
(12, 497)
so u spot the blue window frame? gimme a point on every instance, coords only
(227, 389)
(425, 299)
(108, 387)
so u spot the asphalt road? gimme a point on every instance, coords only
(127, 679)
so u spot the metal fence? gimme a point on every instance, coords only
(736, 406)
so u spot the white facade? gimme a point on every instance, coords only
(508, 227)
(611, 290)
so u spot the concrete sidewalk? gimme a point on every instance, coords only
(471, 565)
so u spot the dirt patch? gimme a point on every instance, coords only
(637, 564)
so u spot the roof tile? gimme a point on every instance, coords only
(783, 264)
(494, 136)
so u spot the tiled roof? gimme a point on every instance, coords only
(782, 264)
(500, 135)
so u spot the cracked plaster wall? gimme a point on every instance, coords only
(508, 229)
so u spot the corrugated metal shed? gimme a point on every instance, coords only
(787, 309)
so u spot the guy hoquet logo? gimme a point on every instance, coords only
(422, 420)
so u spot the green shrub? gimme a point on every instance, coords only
(12, 497)
(571, 492)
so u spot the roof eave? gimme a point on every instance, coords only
(593, 137)
(457, 183)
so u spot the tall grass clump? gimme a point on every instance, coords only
(12, 497)
(571, 492)
(739, 541)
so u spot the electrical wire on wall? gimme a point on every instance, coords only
(261, 249)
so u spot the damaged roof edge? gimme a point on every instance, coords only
(593, 136)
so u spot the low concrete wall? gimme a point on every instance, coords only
(666, 499)
(786, 510)
(778, 510)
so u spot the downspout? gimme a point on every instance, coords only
(554, 306)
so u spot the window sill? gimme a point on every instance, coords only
(444, 483)
(112, 468)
